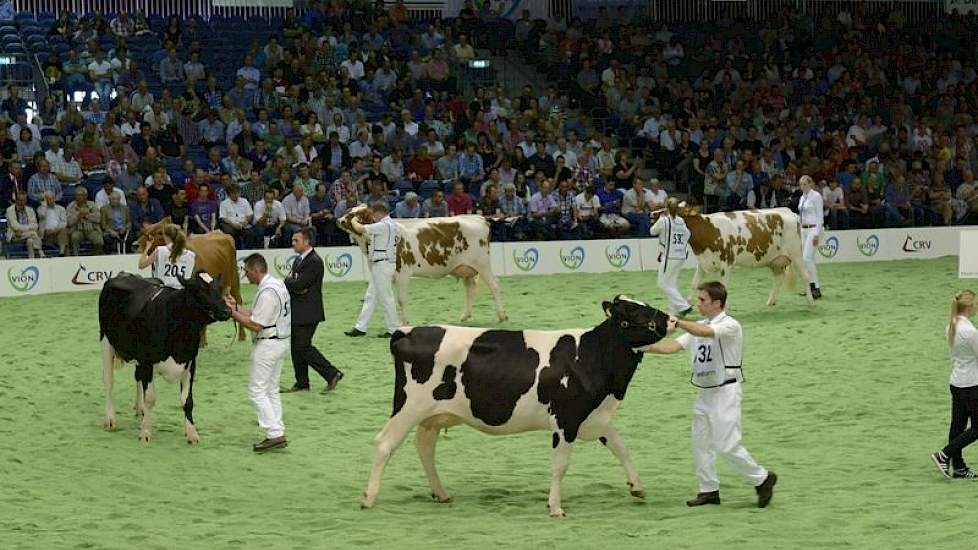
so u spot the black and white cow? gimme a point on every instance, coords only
(158, 328)
(569, 382)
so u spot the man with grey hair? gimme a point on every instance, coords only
(409, 207)
(52, 221)
(84, 222)
(23, 225)
(115, 224)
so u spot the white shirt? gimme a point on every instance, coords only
(167, 271)
(832, 198)
(631, 203)
(276, 215)
(964, 354)
(272, 309)
(100, 70)
(354, 68)
(587, 208)
(811, 210)
(236, 211)
(716, 360)
(52, 217)
(570, 159)
(658, 197)
(383, 237)
(360, 150)
(101, 199)
(673, 236)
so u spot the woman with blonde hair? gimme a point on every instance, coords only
(673, 251)
(962, 339)
(811, 214)
(171, 258)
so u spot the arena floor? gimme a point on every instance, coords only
(844, 401)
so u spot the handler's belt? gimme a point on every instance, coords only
(809, 226)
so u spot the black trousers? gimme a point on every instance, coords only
(305, 355)
(964, 407)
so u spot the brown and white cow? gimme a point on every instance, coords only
(215, 254)
(752, 238)
(436, 247)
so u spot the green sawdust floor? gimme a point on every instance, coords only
(845, 401)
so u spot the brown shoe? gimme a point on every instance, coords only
(268, 444)
(713, 497)
(334, 382)
(766, 490)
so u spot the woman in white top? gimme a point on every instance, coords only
(170, 259)
(673, 251)
(962, 338)
(811, 213)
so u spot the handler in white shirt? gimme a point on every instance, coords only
(382, 236)
(271, 321)
(811, 214)
(716, 347)
(673, 251)
(962, 338)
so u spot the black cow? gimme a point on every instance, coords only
(159, 328)
(509, 381)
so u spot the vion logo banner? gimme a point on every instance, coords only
(618, 257)
(527, 260)
(24, 280)
(283, 265)
(340, 265)
(573, 259)
(869, 246)
(829, 248)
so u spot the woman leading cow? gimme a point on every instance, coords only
(171, 258)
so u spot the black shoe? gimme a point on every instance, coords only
(295, 388)
(685, 312)
(332, 383)
(384, 335)
(942, 462)
(964, 473)
(268, 444)
(766, 490)
(354, 332)
(712, 497)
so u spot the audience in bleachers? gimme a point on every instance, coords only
(262, 129)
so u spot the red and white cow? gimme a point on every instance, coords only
(752, 238)
(436, 247)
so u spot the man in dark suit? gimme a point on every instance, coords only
(305, 285)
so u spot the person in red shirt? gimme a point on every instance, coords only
(421, 167)
(190, 187)
(459, 202)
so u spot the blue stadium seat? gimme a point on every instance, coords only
(428, 188)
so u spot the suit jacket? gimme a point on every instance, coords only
(305, 285)
(17, 230)
(108, 222)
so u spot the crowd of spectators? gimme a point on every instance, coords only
(352, 103)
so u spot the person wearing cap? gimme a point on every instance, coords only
(382, 237)
(409, 207)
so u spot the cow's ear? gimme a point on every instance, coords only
(607, 308)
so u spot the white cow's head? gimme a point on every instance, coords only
(362, 214)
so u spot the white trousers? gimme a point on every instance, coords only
(266, 369)
(716, 430)
(668, 282)
(808, 253)
(380, 288)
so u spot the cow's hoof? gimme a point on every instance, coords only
(145, 436)
(638, 493)
(193, 439)
(109, 423)
(366, 502)
(503, 318)
(464, 318)
(558, 513)
(444, 499)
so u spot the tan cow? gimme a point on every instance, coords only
(215, 254)
(436, 247)
(752, 238)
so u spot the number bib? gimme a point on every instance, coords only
(168, 271)
(708, 367)
(675, 239)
